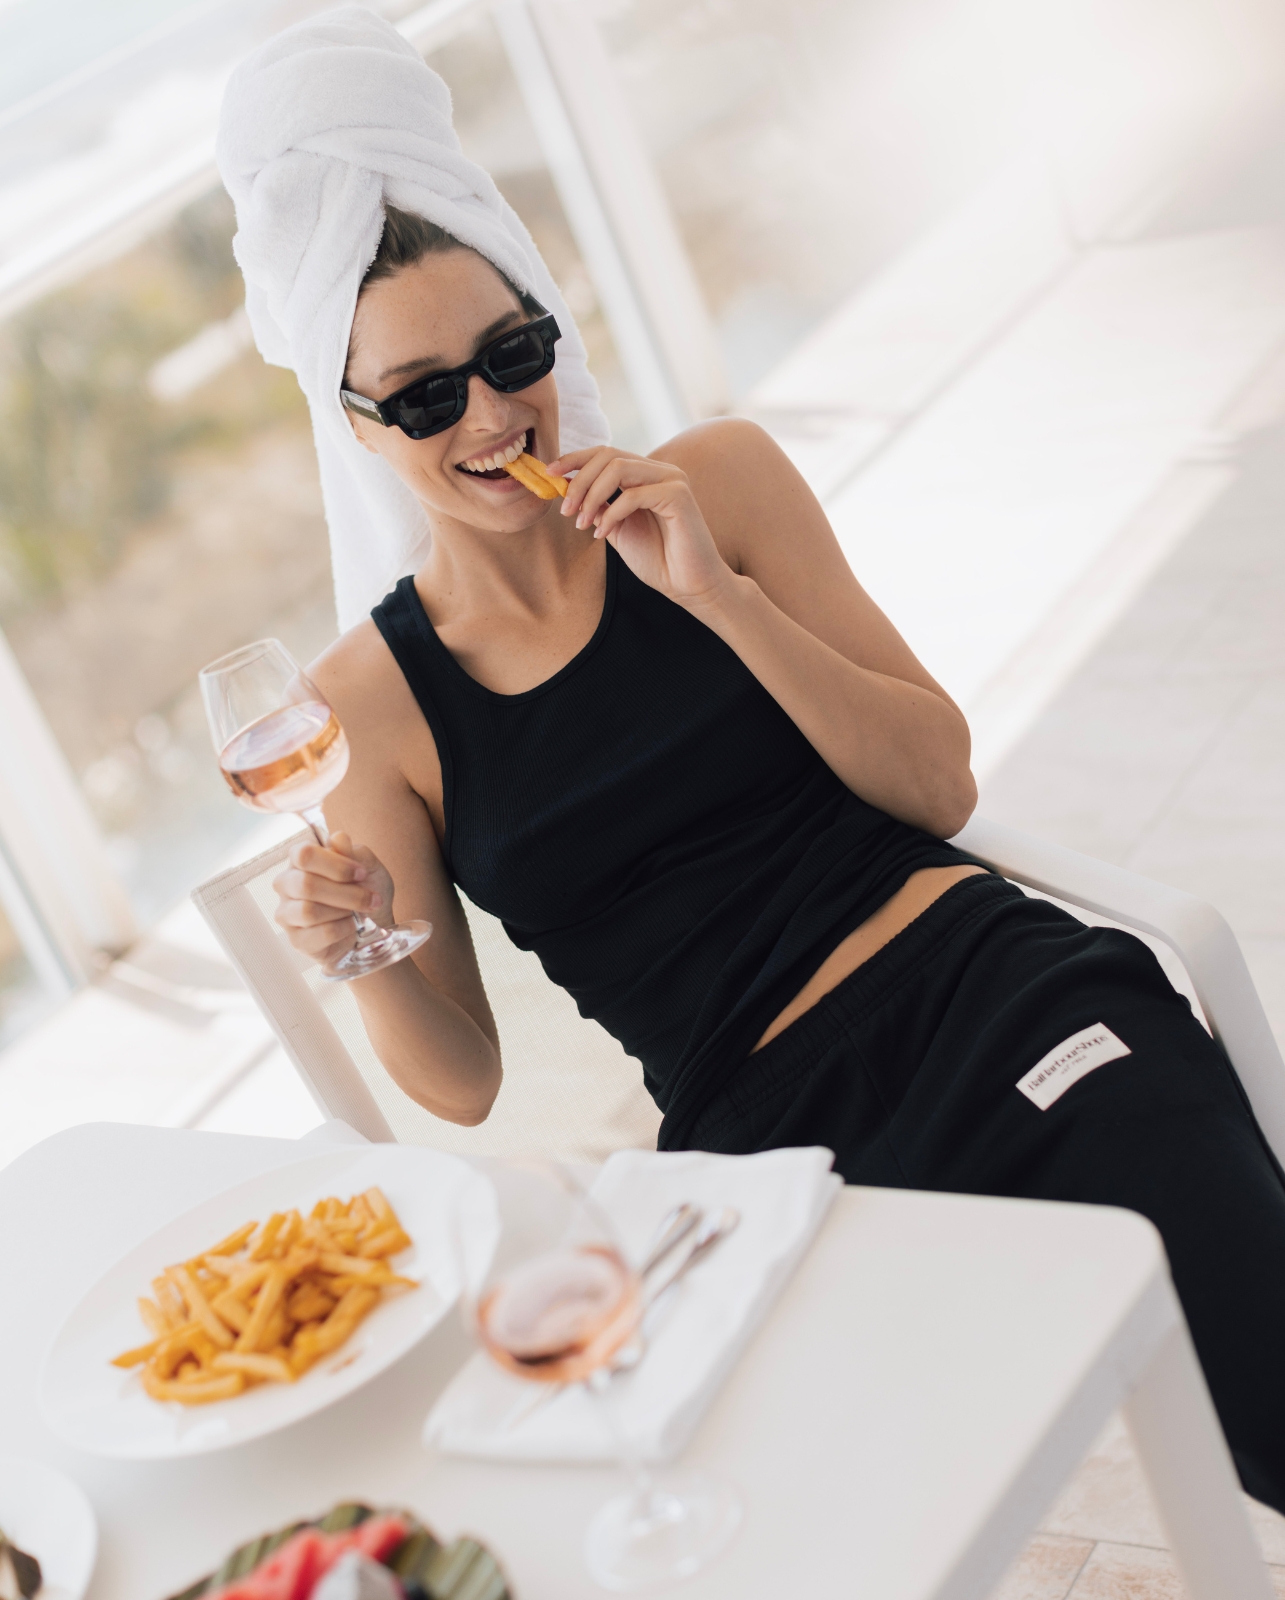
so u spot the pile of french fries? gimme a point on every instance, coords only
(267, 1303)
(534, 475)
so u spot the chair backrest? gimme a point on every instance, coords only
(569, 1089)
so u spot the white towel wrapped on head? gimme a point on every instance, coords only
(319, 128)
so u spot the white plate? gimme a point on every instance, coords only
(48, 1516)
(102, 1409)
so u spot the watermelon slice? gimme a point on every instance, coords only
(300, 1563)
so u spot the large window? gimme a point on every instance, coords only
(160, 507)
(803, 146)
(159, 502)
(22, 997)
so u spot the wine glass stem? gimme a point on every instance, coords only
(315, 817)
(367, 928)
(628, 1451)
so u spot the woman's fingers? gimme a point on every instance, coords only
(321, 944)
(622, 508)
(590, 475)
(585, 473)
(654, 478)
(338, 865)
(321, 891)
(577, 460)
(310, 889)
(573, 460)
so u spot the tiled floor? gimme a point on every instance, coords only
(1102, 1539)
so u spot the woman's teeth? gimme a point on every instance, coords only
(490, 463)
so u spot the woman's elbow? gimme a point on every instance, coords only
(472, 1109)
(954, 804)
(472, 1114)
(467, 1104)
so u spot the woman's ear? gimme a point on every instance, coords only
(361, 428)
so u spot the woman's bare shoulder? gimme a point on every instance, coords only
(718, 447)
(357, 663)
(360, 677)
(743, 481)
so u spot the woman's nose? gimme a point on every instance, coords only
(487, 408)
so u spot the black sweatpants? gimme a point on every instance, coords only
(908, 1072)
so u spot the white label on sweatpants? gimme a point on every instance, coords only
(1052, 1076)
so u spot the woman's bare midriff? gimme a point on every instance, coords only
(911, 900)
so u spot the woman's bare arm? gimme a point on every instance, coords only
(428, 1017)
(759, 564)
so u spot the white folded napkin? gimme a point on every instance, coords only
(782, 1196)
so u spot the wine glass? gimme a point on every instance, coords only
(560, 1303)
(280, 748)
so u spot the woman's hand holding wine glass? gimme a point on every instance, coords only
(281, 748)
(324, 888)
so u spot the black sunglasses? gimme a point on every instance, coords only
(431, 405)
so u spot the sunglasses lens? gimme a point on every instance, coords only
(521, 360)
(428, 407)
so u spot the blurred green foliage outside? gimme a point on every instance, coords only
(87, 453)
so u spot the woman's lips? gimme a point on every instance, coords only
(496, 474)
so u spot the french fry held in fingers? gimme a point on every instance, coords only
(534, 475)
(267, 1303)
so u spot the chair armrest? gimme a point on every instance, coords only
(307, 1035)
(333, 1132)
(1192, 927)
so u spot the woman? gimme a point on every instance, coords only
(660, 730)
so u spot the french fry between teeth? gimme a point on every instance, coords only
(534, 475)
(528, 479)
(267, 1303)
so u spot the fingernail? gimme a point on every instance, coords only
(375, 900)
(582, 521)
(359, 875)
(566, 509)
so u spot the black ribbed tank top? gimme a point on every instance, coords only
(654, 826)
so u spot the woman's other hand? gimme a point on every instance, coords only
(323, 887)
(655, 526)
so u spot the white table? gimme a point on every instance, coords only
(932, 1374)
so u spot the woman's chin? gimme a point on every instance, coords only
(498, 505)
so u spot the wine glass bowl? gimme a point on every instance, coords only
(562, 1316)
(559, 1298)
(289, 760)
(281, 748)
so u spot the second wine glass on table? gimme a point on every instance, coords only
(560, 1304)
(281, 748)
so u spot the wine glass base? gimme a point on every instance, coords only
(391, 946)
(637, 1542)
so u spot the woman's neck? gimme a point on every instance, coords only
(537, 572)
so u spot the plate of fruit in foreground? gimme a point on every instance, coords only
(355, 1553)
(267, 1303)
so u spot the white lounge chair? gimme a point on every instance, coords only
(569, 1089)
